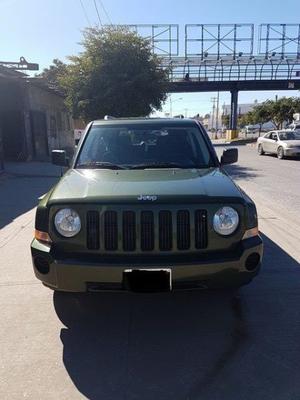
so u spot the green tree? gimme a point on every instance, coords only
(278, 112)
(225, 120)
(53, 74)
(116, 74)
(261, 114)
(246, 119)
(283, 109)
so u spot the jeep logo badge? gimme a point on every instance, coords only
(144, 197)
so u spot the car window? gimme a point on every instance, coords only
(274, 136)
(287, 136)
(130, 146)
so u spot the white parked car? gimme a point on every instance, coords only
(283, 143)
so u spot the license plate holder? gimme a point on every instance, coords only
(148, 279)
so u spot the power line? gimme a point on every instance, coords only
(97, 11)
(85, 13)
(105, 11)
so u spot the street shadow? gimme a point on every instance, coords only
(294, 158)
(19, 194)
(188, 345)
(237, 172)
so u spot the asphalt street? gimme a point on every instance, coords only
(179, 346)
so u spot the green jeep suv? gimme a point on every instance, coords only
(145, 206)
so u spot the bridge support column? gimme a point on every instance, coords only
(233, 132)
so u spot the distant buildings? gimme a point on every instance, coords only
(242, 108)
(211, 121)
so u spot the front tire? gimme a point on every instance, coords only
(280, 153)
(260, 150)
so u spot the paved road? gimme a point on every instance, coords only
(180, 346)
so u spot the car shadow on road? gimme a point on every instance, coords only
(285, 158)
(19, 194)
(237, 172)
(188, 345)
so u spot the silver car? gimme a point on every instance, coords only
(282, 143)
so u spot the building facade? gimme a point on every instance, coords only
(33, 119)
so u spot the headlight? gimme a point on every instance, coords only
(67, 222)
(226, 221)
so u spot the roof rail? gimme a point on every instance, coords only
(107, 117)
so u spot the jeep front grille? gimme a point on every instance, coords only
(129, 231)
(111, 230)
(183, 230)
(92, 226)
(146, 231)
(165, 230)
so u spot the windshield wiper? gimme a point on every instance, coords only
(167, 165)
(156, 165)
(99, 164)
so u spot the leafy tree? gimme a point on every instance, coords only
(53, 74)
(261, 114)
(278, 112)
(283, 109)
(225, 120)
(116, 74)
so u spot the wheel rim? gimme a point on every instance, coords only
(280, 153)
(260, 149)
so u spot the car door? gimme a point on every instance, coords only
(267, 142)
(273, 142)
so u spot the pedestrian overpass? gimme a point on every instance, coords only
(227, 57)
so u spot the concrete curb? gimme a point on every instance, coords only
(239, 142)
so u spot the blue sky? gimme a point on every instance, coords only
(41, 30)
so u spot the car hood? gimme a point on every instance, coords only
(163, 185)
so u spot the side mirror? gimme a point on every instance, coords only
(59, 158)
(229, 156)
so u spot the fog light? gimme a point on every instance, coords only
(42, 265)
(252, 261)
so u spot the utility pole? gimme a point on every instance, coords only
(171, 104)
(185, 112)
(213, 100)
(217, 116)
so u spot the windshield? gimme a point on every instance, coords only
(288, 136)
(118, 147)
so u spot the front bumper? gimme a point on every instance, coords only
(292, 152)
(80, 275)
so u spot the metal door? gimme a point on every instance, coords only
(13, 135)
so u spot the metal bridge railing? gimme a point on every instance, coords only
(239, 69)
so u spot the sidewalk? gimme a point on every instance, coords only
(31, 169)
